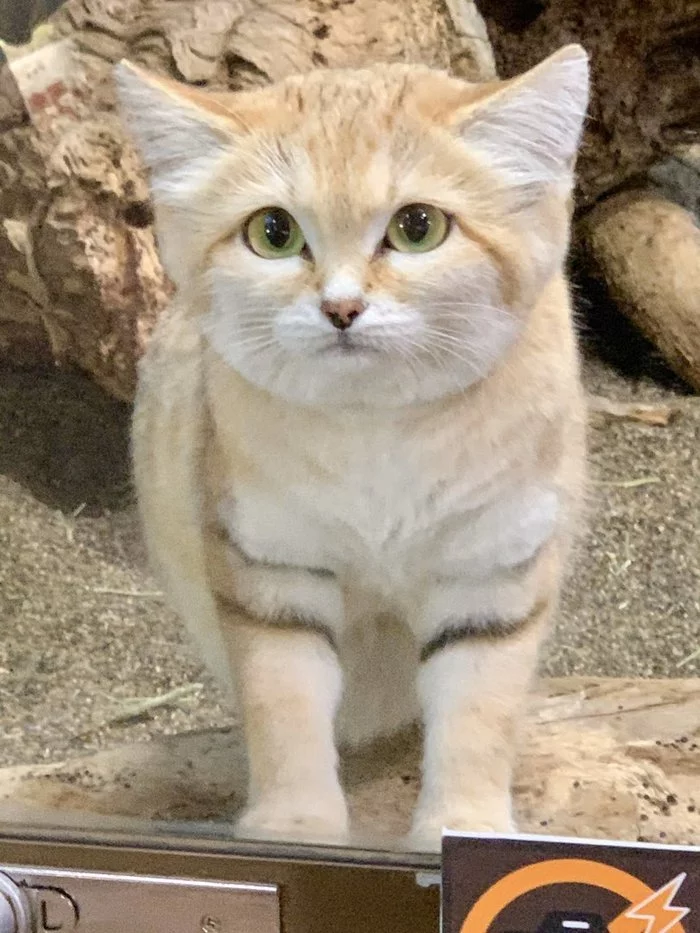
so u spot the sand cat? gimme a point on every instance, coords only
(358, 436)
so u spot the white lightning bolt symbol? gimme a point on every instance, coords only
(656, 910)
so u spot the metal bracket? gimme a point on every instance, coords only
(35, 900)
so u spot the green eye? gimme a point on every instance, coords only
(417, 228)
(274, 234)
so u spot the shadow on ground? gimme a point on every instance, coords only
(64, 440)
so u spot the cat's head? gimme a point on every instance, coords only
(374, 237)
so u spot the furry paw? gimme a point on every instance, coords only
(426, 834)
(295, 822)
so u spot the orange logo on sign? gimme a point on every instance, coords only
(649, 911)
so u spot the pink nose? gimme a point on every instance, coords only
(343, 312)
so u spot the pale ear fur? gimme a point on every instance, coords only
(178, 137)
(531, 127)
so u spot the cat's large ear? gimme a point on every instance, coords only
(530, 128)
(179, 131)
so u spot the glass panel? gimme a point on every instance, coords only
(358, 451)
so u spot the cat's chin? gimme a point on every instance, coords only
(342, 380)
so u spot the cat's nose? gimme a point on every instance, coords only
(342, 313)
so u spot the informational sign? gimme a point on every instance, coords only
(533, 884)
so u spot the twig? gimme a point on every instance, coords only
(603, 714)
(659, 416)
(140, 706)
(691, 657)
(136, 594)
(629, 483)
(68, 528)
(68, 522)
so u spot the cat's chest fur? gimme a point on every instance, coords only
(384, 501)
(353, 504)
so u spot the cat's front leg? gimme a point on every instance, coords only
(288, 685)
(473, 682)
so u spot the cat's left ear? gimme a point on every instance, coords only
(179, 131)
(531, 126)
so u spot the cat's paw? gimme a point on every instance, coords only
(426, 833)
(294, 822)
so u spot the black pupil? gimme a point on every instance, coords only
(415, 223)
(278, 228)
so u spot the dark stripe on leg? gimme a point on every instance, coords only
(479, 629)
(287, 621)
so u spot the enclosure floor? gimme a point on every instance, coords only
(83, 629)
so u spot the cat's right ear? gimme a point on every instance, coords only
(179, 131)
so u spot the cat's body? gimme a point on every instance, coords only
(361, 533)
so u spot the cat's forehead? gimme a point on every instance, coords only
(344, 146)
(354, 132)
(334, 99)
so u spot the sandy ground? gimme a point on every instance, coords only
(83, 629)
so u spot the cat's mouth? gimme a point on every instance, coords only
(345, 344)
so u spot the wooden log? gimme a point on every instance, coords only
(82, 282)
(615, 759)
(645, 71)
(646, 250)
(22, 185)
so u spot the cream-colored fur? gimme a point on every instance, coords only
(356, 539)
